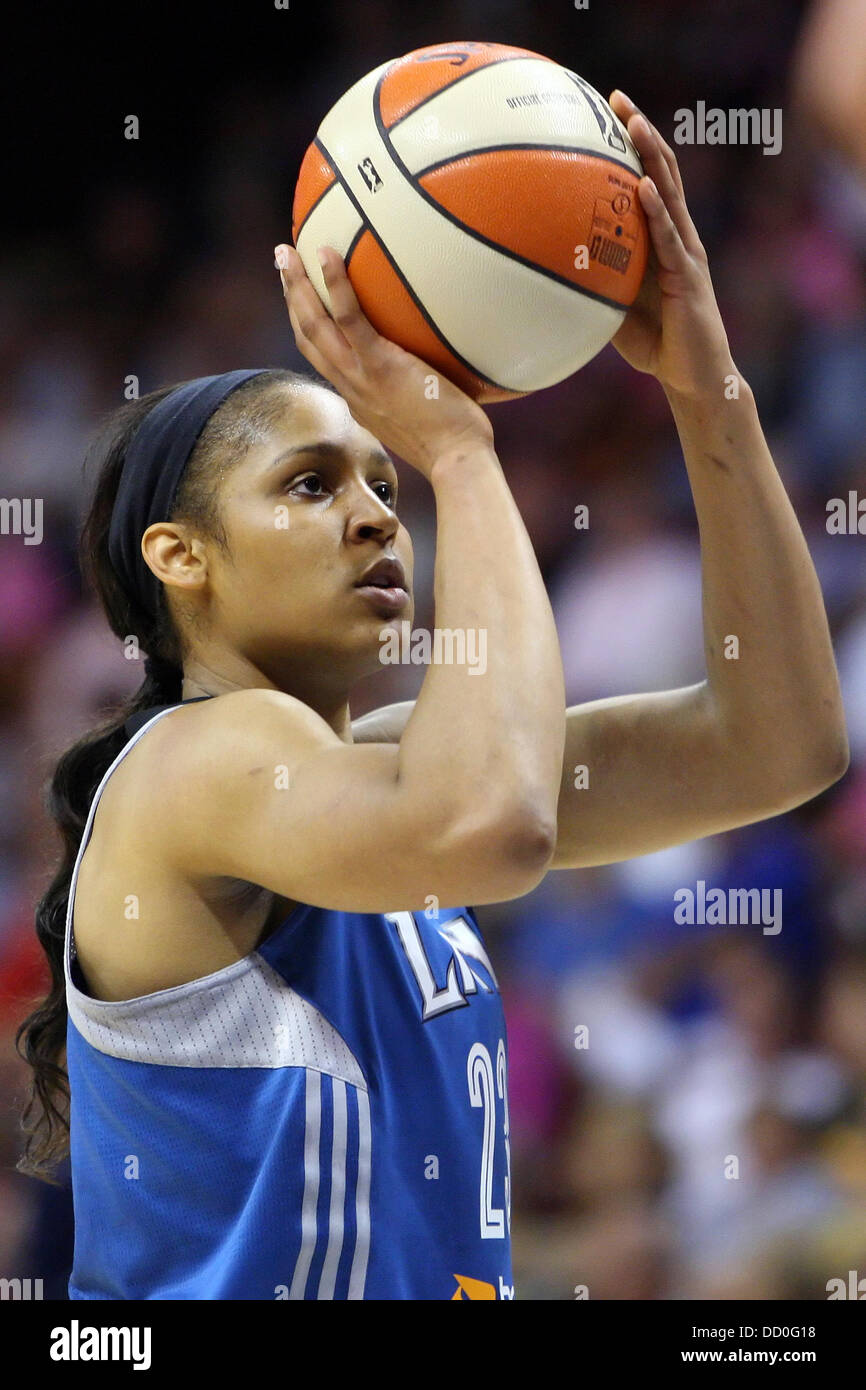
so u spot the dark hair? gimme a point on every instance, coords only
(241, 421)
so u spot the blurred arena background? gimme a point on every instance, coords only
(153, 258)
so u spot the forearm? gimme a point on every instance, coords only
(770, 665)
(495, 734)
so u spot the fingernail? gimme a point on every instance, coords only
(321, 257)
(280, 258)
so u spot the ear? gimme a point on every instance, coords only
(176, 555)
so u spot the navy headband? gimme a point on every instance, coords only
(152, 471)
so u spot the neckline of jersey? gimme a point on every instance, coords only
(141, 717)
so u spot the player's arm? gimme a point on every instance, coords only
(766, 730)
(271, 795)
(464, 808)
(645, 772)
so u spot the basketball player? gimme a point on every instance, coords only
(283, 1036)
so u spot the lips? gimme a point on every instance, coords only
(384, 574)
(384, 586)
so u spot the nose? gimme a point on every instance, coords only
(370, 517)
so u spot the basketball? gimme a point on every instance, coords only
(484, 200)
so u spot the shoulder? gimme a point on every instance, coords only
(240, 710)
(193, 746)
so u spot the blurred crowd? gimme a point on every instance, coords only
(687, 1103)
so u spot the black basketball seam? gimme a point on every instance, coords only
(461, 77)
(352, 244)
(315, 204)
(472, 231)
(530, 145)
(428, 319)
(510, 58)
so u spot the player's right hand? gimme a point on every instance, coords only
(385, 387)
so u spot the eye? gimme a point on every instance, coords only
(307, 478)
(390, 497)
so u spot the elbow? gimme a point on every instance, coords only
(531, 841)
(810, 779)
(518, 845)
(492, 854)
(835, 762)
(831, 758)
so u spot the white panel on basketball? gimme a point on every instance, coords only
(473, 113)
(333, 221)
(537, 332)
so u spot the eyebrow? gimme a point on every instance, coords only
(326, 450)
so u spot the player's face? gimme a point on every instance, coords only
(306, 514)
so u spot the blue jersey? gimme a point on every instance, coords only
(326, 1118)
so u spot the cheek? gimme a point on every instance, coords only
(282, 557)
(264, 541)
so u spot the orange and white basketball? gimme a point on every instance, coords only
(484, 200)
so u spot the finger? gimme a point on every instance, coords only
(660, 164)
(310, 351)
(625, 108)
(345, 309)
(666, 240)
(313, 321)
(649, 143)
(656, 166)
(621, 105)
(670, 158)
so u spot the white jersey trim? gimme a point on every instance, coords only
(244, 1015)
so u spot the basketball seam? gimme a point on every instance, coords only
(472, 231)
(350, 249)
(428, 319)
(510, 58)
(529, 145)
(312, 208)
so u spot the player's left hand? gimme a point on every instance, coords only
(674, 329)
